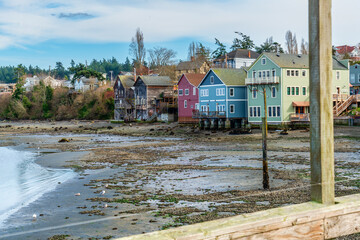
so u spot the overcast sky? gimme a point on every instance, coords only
(41, 32)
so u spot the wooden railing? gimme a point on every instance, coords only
(209, 114)
(341, 106)
(300, 117)
(267, 80)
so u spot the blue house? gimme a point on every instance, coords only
(355, 79)
(223, 98)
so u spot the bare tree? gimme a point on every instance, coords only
(160, 56)
(304, 47)
(197, 51)
(137, 49)
(291, 43)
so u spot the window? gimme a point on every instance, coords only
(194, 91)
(292, 73)
(204, 92)
(259, 74)
(254, 111)
(254, 93)
(273, 92)
(273, 73)
(254, 74)
(297, 91)
(220, 92)
(204, 108)
(220, 108)
(303, 73)
(274, 111)
(359, 78)
(231, 92)
(263, 61)
(186, 91)
(337, 75)
(180, 92)
(304, 91)
(278, 111)
(232, 108)
(292, 91)
(258, 111)
(212, 79)
(196, 106)
(268, 74)
(288, 72)
(269, 111)
(297, 73)
(288, 91)
(251, 111)
(352, 78)
(185, 103)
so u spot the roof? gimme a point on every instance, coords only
(194, 78)
(189, 65)
(284, 60)
(127, 80)
(240, 53)
(156, 80)
(344, 49)
(231, 76)
(301, 104)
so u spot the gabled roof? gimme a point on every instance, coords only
(344, 49)
(194, 78)
(156, 80)
(127, 80)
(189, 65)
(231, 76)
(284, 60)
(240, 53)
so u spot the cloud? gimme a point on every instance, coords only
(24, 23)
(75, 16)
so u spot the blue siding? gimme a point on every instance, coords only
(219, 95)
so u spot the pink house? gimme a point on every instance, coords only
(188, 99)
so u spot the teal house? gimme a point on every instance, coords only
(223, 98)
(285, 79)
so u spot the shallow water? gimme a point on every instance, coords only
(22, 181)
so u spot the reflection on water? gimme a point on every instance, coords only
(23, 181)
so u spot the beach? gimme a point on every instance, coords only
(156, 176)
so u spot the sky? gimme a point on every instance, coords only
(43, 32)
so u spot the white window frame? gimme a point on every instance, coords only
(273, 94)
(297, 91)
(359, 77)
(303, 73)
(254, 92)
(233, 92)
(212, 81)
(194, 91)
(187, 91)
(337, 75)
(233, 106)
(352, 78)
(185, 103)
(288, 73)
(273, 111)
(180, 92)
(302, 91)
(263, 61)
(197, 106)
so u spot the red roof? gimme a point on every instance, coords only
(194, 78)
(344, 49)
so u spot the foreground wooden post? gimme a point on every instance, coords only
(321, 112)
(266, 184)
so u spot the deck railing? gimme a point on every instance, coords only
(209, 114)
(266, 80)
(300, 117)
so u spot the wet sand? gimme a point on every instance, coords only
(162, 175)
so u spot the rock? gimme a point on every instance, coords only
(77, 194)
(109, 127)
(152, 129)
(63, 140)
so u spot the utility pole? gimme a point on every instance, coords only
(266, 184)
(321, 124)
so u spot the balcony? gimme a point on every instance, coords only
(209, 114)
(258, 81)
(300, 117)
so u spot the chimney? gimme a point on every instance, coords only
(249, 53)
(226, 59)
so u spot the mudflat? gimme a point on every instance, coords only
(139, 177)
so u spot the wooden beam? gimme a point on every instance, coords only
(321, 112)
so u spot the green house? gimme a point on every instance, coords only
(285, 79)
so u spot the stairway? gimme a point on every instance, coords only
(340, 107)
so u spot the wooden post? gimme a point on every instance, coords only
(266, 184)
(321, 111)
